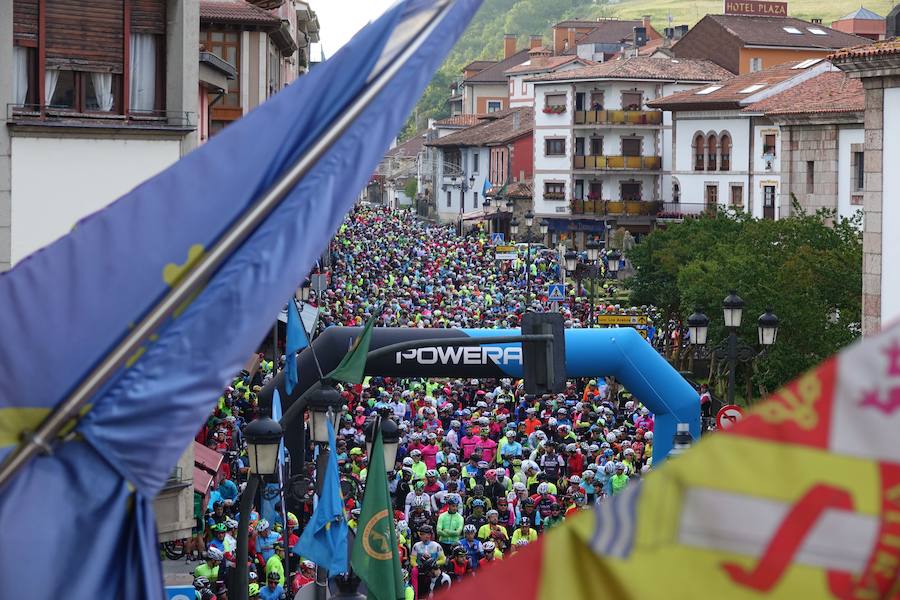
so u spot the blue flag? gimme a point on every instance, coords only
(487, 186)
(324, 540)
(117, 264)
(296, 341)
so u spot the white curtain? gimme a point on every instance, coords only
(51, 78)
(143, 72)
(20, 74)
(103, 90)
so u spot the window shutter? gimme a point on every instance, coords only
(148, 16)
(85, 35)
(25, 20)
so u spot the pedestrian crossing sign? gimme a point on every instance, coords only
(557, 292)
(496, 239)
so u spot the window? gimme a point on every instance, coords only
(752, 88)
(794, 30)
(859, 171)
(632, 100)
(494, 106)
(699, 152)
(274, 68)
(595, 190)
(554, 147)
(676, 191)
(449, 198)
(810, 177)
(816, 31)
(737, 196)
(768, 202)
(805, 64)
(555, 100)
(145, 77)
(579, 100)
(579, 189)
(227, 46)
(631, 190)
(452, 160)
(769, 144)
(82, 91)
(24, 81)
(554, 190)
(524, 87)
(475, 158)
(708, 90)
(597, 100)
(596, 146)
(712, 195)
(631, 146)
(475, 200)
(711, 147)
(725, 153)
(579, 146)
(755, 64)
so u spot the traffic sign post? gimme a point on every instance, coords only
(505, 253)
(556, 292)
(729, 416)
(623, 319)
(496, 239)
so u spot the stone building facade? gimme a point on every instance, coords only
(878, 66)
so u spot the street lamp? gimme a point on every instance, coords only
(698, 327)
(734, 349)
(612, 262)
(529, 219)
(324, 405)
(390, 440)
(733, 309)
(510, 204)
(514, 227)
(767, 326)
(263, 439)
(571, 258)
(593, 250)
(545, 226)
(304, 291)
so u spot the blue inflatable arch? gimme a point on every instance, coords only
(620, 353)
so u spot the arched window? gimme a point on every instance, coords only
(699, 152)
(676, 190)
(711, 150)
(725, 152)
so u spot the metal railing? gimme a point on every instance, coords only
(62, 114)
(612, 208)
(618, 117)
(636, 163)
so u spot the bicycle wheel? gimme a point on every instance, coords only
(173, 550)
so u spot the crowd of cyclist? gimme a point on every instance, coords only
(482, 470)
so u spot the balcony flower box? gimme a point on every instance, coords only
(554, 110)
(554, 196)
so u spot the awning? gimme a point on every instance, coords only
(202, 481)
(207, 459)
(588, 225)
(474, 215)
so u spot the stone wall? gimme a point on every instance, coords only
(800, 145)
(874, 125)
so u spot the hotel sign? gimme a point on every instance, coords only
(757, 8)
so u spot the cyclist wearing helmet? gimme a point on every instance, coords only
(493, 531)
(459, 563)
(431, 578)
(210, 569)
(275, 565)
(525, 533)
(554, 518)
(427, 547)
(218, 530)
(450, 524)
(274, 589)
(543, 500)
(477, 517)
(202, 590)
(265, 540)
(253, 591)
(471, 546)
(619, 480)
(491, 554)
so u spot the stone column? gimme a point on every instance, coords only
(874, 126)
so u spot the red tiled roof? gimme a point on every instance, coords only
(609, 32)
(830, 92)
(236, 12)
(491, 131)
(410, 147)
(645, 67)
(496, 73)
(577, 23)
(546, 63)
(730, 91)
(459, 121)
(884, 48)
(769, 31)
(479, 65)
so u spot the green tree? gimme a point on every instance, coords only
(807, 268)
(411, 187)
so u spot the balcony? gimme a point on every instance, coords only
(679, 211)
(616, 208)
(618, 117)
(618, 163)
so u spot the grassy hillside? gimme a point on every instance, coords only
(484, 37)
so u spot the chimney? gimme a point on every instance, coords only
(640, 37)
(535, 41)
(816, 20)
(509, 44)
(517, 121)
(570, 40)
(645, 22)
(681, 31)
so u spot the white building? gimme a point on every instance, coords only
(726, 151)
(540, 61)
(600, 154)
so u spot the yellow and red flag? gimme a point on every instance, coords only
(801, 499)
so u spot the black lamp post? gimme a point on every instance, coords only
(305, 290)
(263, 438)
(593, 253)
(734, 348)
(390, 440)
(612, 263)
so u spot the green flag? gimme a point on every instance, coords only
(351, 367)
(375, 558)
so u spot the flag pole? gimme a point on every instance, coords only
(40, 440)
